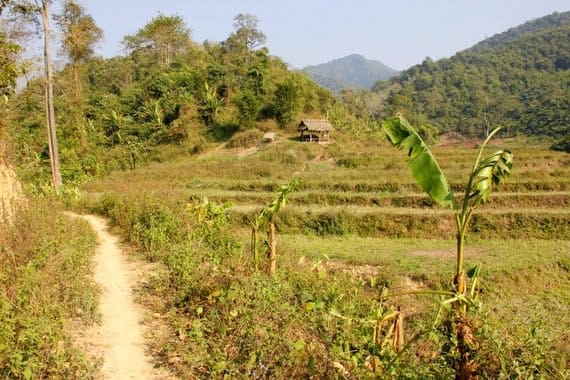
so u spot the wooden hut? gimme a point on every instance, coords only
(315, 130)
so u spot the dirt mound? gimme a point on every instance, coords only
(247, 152)
(11, 194)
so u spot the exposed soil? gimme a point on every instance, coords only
(118, 342)
(10, 194)
(361, 271)
(247, 152)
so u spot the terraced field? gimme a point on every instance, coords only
(357, 225)
(365, 189)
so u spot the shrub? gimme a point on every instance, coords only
(245, 139)
(563, 145)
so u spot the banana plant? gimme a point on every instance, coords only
(266, 218)
(211, 103)
(486, 172)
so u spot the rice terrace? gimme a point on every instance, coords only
(204, 211)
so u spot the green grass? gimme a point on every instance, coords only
(433, 257)
(525, 283)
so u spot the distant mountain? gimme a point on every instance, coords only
(518, 79)
(353, 71)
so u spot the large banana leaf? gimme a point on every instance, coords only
(421, 162)
(493, 170)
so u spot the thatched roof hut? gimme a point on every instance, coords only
(315, 130)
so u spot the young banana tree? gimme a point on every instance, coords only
(211, 103)
(492, 170)
(266, 218)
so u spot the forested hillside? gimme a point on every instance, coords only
(556, 19)
(519, 79)
(169, 89)
(166, 89)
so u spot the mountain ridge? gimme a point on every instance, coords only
(351, 71)
(555, 19)
(517, 79)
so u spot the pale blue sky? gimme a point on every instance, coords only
(399, 33)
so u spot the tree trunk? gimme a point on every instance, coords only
(486, 125)
(254, 246)
(398, 340)
(50, 112)
(272, 249)
(466, 367)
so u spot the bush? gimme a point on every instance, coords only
(149, 224)
(245, 139)
(563, 145)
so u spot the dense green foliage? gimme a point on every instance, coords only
(113, 113)
(518, 80)
(8, 69)
(9, 72)
(351, 72)
(554, 20)
(167, 89)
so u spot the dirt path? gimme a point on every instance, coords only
(120, 337)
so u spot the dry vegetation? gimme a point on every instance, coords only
(357, 209)
(45, 282)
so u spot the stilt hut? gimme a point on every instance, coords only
(314, 130)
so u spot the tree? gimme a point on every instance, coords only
(248, 106)
(80, 34)
(8, 68)
(246, 37)
(8, 74)
(240, 47)
(287, 102)
(266, 219)
(163, 38)
(50, 111)
(493, 170)
(211, 103)
(35, 9)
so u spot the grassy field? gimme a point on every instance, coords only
(358, 224)
(363, 188)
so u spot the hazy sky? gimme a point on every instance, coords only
(399, 33)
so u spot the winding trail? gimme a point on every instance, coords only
(120, 337)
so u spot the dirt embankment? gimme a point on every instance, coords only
(11, 194)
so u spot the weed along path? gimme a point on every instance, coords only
(120, 337)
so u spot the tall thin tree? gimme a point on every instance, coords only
(48, 88)
(31, 11)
